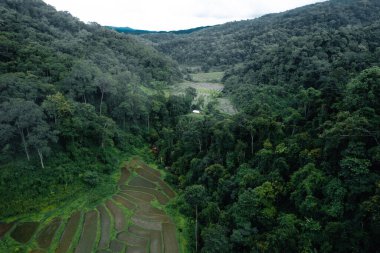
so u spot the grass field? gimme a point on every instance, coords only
(208, 92)
(211, 77)
(131, 219)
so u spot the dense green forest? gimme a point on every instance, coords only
(128, 30)
(295, 170)
(315, 32)
(73, 98)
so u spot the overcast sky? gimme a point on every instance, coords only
(171, 14)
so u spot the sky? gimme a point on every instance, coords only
(168, 15)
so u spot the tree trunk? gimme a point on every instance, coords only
(196, 228)
(251, 142)
(41, 158)
(24, 144)
(101, 102)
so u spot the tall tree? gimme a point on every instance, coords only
(195, 196)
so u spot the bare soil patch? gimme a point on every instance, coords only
(170, 239)
(132, 239)
(162, 198)
(118, 215)
(4, 228)
(48, 232)
(24, 231)
(105, 226)
(135, 249)
(125, 202)
(125, 174)
(69, 233)
(139, 181)
(156, 242)
(117, 246)
(88, 236)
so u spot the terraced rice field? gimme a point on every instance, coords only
(125, 222)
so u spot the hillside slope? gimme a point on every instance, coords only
(73, 97)
(332, 29)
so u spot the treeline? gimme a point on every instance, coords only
(71, 96)
(324, 33)
(128, 30)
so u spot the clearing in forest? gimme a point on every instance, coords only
(209, 89)
(125, 222)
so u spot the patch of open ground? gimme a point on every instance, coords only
(208, 89)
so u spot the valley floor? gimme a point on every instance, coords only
(208, 92)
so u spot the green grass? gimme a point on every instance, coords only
(208, 91)
(211, 77)
(225, 105)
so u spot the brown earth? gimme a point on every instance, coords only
(69, 233)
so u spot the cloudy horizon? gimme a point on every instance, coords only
(167, 15)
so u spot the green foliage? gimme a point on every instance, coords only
(296, 170)
(311, 45)
(289, 173)
(216, 240)
(195, 195)
(91, 178)
(211, 77)
(71, 96)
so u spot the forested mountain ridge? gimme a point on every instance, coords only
(73, 97)
(27, 22)
(324, 26)
(129, 30)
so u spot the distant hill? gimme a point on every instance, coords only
(129, 30)
(314, 38)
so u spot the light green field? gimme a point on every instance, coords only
(211, 77)
(208, 92)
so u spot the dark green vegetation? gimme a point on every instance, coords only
(75, 99)
(277, 48)
(297, 169)
(129, 221)
(129, 30)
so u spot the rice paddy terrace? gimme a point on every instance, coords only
(129, 221)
